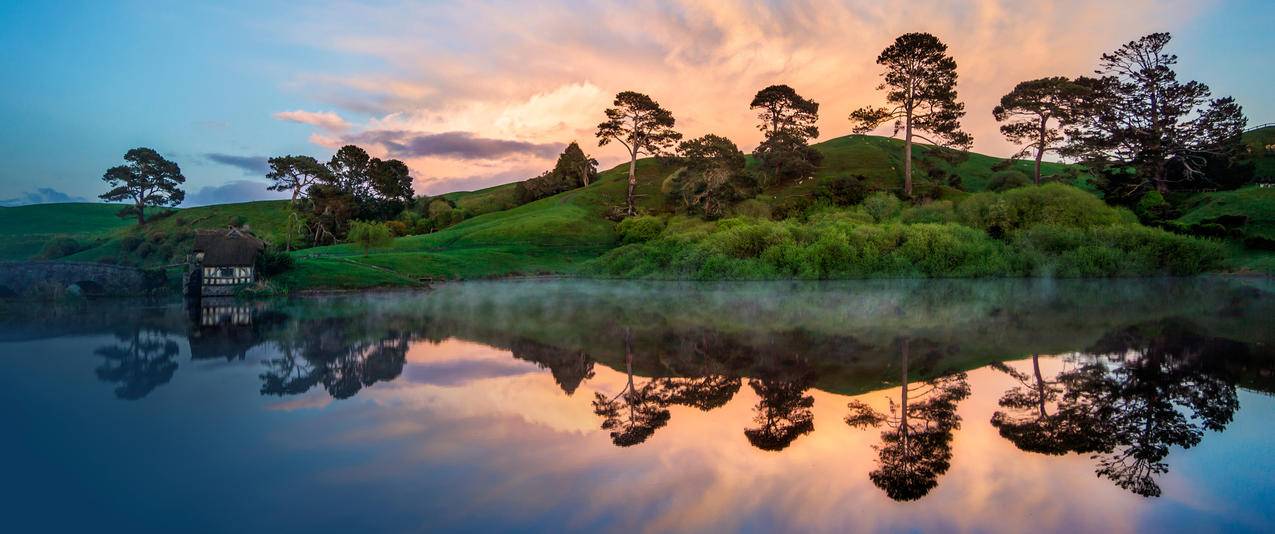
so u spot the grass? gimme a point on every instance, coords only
(25, 229)
(267, 218)
(1255, 203)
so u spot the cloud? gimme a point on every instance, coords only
(326, 120)
(43, 195)
(231, 192)
(456, 145)
(251, 165)
(537, 75)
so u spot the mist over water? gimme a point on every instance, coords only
(1044, 405)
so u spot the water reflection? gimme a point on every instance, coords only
(915, 447)
(1145, 366)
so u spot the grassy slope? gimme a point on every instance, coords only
(556, 234)
(268, 219)
(25, 229)
(1256, 203)
(1257, 141)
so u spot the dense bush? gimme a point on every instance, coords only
(836, 245)
(639, 229)
(941, 211)
(843, 190)
(1055, 204)
(881, 206)
(1006, 180)
(273, 262)
(59, 247)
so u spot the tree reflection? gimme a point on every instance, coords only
(1145, 390)
(783, 412)
(635, 413)
(915, 447)
(141, 362)
(342, 362)
(1032, 421)
(569, 367)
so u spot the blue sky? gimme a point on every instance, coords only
(472, 94)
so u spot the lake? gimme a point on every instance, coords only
(551, 405)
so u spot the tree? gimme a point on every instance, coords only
(915, 445)
(576, 167)
(144, 362)
(920, 80)
(369, 235)
(295, 174)
(1143, 128)
(148, 180)
(783, 412)
(1028, 110)
(789, 123)
(1033, 420)
(714, 175)
(642, 126)
(391, 181)
(350, 170)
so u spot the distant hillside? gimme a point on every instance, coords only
(1261, 144)
(25, 229)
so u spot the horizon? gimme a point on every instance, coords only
(472, 96)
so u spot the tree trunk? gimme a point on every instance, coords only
(907, 156)
(141, 212)
(632, 181)
(1040, 147)
(1040, 383)
(903, 395)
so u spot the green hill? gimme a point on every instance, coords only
(24, 230)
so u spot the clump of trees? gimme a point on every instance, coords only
(574, 169)
(713, 176)
(147, 180)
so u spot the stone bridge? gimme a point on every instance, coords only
(53, 278)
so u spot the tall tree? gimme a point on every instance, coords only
(643, 127)
(576, 167)
(351, 169)
(147, 180)
(1028, 111)
(391, 180)
(1142, 117)
(788, 121)
(920, 84)
(295, 174)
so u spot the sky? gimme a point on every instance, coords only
(472, 94)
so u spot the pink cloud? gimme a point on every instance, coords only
(326, 120)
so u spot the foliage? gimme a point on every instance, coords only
(1026, 112)
(713, 177)
(787, 157)
(920, 82)
(573, 169)
(369, 235)
(1008, 179)
(937, 212)
(1150, 129)
(147, 180)
(881, 206)
(59, 247)
(295, 174)
(639, 229)
(273, 262)
(843, 190)
(1053, 204)
(788, 122)
(643, 127)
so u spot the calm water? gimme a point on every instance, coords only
(1007, 406)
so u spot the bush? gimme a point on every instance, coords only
(273, 262)
(791, 207)
(1115, 250)
(881, 206)
(639, 229)
(1006, 180)
(130, 242)
(1055, 204)
(59, 247)
(369, 235)
(938, 212)
(398, 228)
(843, 191)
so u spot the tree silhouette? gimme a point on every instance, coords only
(1032, 421)
(1026, 114)
(342, 362)
(1159, 393)
(783, 413)
(915, 447)
(142, 363)
(147, 180)
(635, 413)
(789, 121)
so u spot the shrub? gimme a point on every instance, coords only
(639, 229)
(1114, 250)
(931, 212)
(1056, 204)
(752, 208)
(369, 235)
(843, 190)
(1006, 180)
(273, 262)
(791, 207)
(881, 206)
(398, 228)
(59, 247)
(130, 242)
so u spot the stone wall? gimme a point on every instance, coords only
(32, 279)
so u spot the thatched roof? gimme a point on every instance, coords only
(228, 248)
